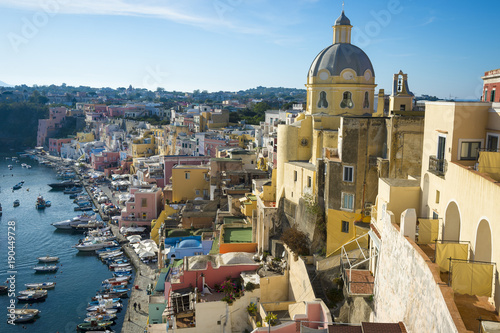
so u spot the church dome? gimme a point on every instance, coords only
(337, 57)
(189, 243)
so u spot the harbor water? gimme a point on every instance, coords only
(79, 275)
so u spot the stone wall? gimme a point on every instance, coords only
(405, 287)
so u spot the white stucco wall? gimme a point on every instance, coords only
(405, 289)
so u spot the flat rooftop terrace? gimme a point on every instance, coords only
(237, 235)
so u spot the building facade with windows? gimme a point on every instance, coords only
(491, 85)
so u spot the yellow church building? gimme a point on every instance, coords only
(334, 153)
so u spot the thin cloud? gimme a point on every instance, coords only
(165, 10)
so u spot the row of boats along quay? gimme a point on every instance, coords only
(60, 284)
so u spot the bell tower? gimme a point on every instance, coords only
(401, 98)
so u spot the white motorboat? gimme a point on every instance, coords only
(33, 292)
(48, 259)
(41, 285)
(68, 224)
(117, 279)
(94, 245)
(46, 269)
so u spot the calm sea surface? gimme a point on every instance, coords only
(78, 277)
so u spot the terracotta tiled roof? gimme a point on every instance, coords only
(344, 329)
(383, 328)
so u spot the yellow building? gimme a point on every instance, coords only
(190, 182)
(144, 147)
(85, 137)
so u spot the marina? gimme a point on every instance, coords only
(78, 274)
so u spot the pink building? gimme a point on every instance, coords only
(105, 159)
(143, 206)
(56, 144)
(46, 127)
(115, 111)
(172, 160)
(212, 144)
(214, 268)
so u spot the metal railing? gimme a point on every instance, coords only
(437, 166)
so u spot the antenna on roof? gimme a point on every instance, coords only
(342, 5)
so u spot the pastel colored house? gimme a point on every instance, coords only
(46, 127)
(105, 160)
(215, 269)
(190, 182)
(172, 160)
(55, 145)
(144, 205)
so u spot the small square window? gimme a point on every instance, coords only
(348, 174)
(186, 175)
(345, 227)
(470, 150)
(197, 192)
(309, 181)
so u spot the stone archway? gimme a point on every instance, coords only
(483, 242)
(452, 221)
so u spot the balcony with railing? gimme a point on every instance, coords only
(437, 166)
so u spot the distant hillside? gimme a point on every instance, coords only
(3, 84)
(19, 125)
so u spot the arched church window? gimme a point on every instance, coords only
(323, 103)
(366, 102)
(347, 100)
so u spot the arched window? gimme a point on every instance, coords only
(347, 100)
(323, 103)
(366, 102)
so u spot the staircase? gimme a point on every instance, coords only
(315, 280)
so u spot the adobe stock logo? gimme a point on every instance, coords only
(30, 27)
(381, 19)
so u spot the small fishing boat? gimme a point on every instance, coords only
(40, 203)
(10, 166)
(41, 285)
(119, 274)
(109, 305)
(101, 311)
(108, 295)
(73, 190)
(120, 267)
(123, 269)
(35, 296)
(24, 318)
(97, 302)
(48, 203)
(46, 269)
(3, 290)
(117, 279)
(101, 317)
(16, 203)
(25, 310)
(33, 291)
(94, 326)
(48, 259)
(18, 185)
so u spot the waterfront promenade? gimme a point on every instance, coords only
(135, 320)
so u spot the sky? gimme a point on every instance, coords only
(444, 46)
